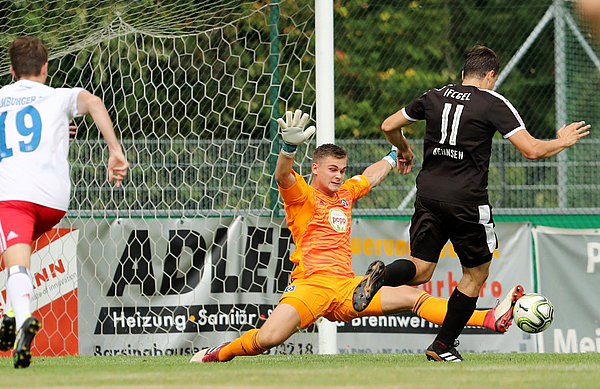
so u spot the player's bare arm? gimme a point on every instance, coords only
(283, 171)
(533, 148)
(293, 134)
(88, 103)
(376, 172)
(392, 128)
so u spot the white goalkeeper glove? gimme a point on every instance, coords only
(292, 130)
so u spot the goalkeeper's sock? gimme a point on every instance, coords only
(434, 309)
(431, 308)
(478, 317)
(247, 344)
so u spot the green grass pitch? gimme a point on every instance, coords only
(311, 371)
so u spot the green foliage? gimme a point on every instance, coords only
(389, 52)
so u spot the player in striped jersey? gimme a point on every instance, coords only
(322, 283)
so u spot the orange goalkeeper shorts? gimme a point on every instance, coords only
(328, 296)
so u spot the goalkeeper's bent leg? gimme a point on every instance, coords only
(281, 324)
(434, 309)
(247, 344)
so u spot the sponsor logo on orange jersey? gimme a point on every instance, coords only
(338, 220)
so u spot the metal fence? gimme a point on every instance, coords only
(192, 178)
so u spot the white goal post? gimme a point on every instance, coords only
(325, 108)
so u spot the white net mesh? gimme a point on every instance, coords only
(193, 249)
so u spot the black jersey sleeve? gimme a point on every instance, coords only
(504, 117)
(416, 110)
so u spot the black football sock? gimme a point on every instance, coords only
(399, 272)
(460, 309)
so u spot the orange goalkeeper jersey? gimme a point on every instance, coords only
(320, 226)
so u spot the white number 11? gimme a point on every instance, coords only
(455, 123)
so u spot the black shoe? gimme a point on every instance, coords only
(369, 286)
(28, 330)
(8, 332)
(437, 352)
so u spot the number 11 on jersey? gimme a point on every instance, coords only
(455, 123)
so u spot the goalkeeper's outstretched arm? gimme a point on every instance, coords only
(283, 171)
(376, 172)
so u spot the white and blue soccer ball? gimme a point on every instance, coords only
(533, 313)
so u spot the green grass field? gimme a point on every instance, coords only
(312, 371)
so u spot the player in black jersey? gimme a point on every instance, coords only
(452, 200)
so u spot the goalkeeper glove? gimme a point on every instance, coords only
(293, 132)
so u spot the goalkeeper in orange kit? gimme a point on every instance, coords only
(322, 283)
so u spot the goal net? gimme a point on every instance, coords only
(193, 249)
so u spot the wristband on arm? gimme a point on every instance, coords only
(288, 150)
(392, 157)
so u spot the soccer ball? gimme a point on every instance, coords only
(533, 313)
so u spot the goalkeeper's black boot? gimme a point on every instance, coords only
(28, 331)
(369, 286)
(440, 352)
(8, 331)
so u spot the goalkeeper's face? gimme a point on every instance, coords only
(328, 174)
